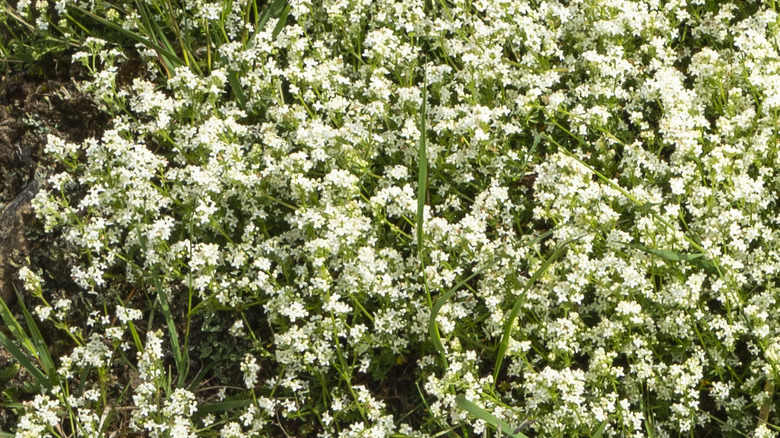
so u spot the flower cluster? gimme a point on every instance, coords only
(601, 172)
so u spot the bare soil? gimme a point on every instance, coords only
(42, 100)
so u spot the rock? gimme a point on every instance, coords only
(14, 246)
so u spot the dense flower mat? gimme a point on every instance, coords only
(416, 218)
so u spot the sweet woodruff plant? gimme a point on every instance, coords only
(417, 218)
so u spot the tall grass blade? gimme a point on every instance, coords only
(643, 206)
(422, 172)
(30, 344)
(278, 9)
(24, 361)
(503, 427)
(600, 430)
(199, 378)
(674, 256)
(224, 405)
(182, 361)
(518, 303)
(273, 11)
(238, 92)
(696, 259)
(16, 329)
(433, 329)
(41, 350)
(170, 57)
(282, 19)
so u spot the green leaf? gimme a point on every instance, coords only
(7, 373)
(238, 92)
(24, 361)
(433, 329)
(487, 417)
(170, 58)
(15, 328)
(422, 172)
(282, 20)
(648, 207)
(518, 303)
(41, 349)
(600, 430)
(35, 347)
(279, 9)
(697, 259)
(643, 206)
(674, 256)
(195, 382)
(205, 351)
(224, 405)
(182, 360)
(274, 11)
(705, 264)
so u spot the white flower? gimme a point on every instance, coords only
(43, 312)
(125, 314)
(250, 369)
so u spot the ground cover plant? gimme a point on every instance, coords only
(406, 218)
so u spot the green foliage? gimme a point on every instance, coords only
(33, 354)
(487, 417)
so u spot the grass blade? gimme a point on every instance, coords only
(181, 360)
(29, 344)
(433, 329)
(696, 259)
(168, 56)
(600, 430)
(487, 417)
(273, 11)
(24, 361)
(16, 329)
(673, 255)
(422, 172)
(643, 206)
(279, 9)
(516, 308)
(238, 92)
(282, 20)
(41, 350)
(196, 381)
(224, 405)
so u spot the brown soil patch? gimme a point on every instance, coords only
(40, 101)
